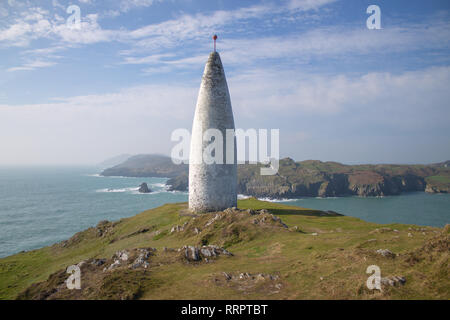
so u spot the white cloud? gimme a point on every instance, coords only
(36, 23)
(320, 43)
(90, 32)
(140, 119)
(146, 45)
(413, 100)
(334, 41)
(308, 4)
(126, 5)
(32, 65)
(192, 26)
(91, 128)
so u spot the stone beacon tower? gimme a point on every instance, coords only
(212, 187)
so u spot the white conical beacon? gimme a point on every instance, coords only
(213, 186)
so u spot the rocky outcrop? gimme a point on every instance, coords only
(430, 188)
(143, 188)
(393, 281)
(192, 253)
(386, 253)
(179, 183)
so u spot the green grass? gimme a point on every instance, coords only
(439, 183)
(439, 179)
(328, 265)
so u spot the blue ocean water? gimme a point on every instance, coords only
(41, 206)
(418, 208)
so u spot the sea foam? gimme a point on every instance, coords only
(118, 190)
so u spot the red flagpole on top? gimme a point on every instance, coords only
(215, 38)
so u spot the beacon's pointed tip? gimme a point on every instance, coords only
(214, 67)
(214, 59)
(214, 54)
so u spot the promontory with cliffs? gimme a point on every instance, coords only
(310, 178)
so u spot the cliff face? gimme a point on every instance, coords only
(389, 186)
(313, 178)
(317, 183)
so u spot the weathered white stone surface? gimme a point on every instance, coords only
(212, 187)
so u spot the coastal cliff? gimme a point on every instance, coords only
(311, 178)
(331, 179)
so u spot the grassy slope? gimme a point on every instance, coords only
(441, 181)
(329, 265)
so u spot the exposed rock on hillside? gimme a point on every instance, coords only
(192, 253)
(126, 268)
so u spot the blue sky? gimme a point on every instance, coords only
(120, 84)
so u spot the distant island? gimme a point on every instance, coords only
(114, 161)
(310, 178)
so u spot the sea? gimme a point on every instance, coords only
(40, 206)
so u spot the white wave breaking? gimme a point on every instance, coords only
(118, 190)
(277, 200)
(243, 197)
(326, 198)
(163, 188)
(96, 175)
(160, 185)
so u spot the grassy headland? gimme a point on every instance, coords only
(308, 254)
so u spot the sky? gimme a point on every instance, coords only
(129, 76)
